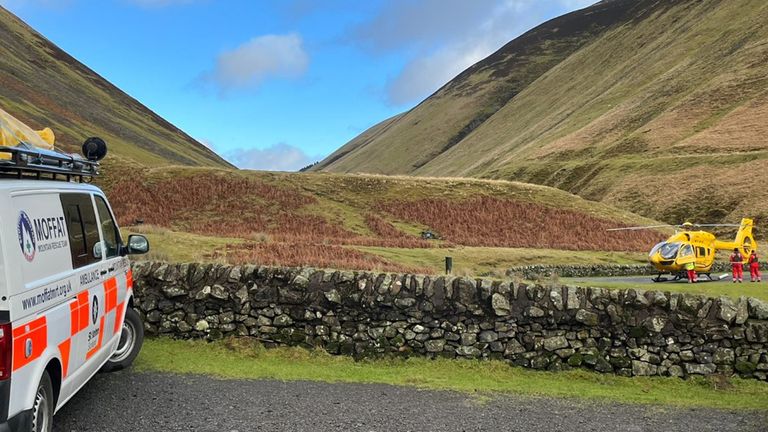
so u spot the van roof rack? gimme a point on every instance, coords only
(35, 163)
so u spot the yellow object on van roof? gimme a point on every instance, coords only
(13, 132)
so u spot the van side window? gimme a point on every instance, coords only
(112, 239)
(82, 228)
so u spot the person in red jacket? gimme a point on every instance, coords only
(754, 267)
(737, 265)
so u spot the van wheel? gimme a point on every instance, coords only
(42, 410)
(131, 339)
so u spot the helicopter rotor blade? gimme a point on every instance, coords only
(695, 225)
(637, 228)
(718, 225)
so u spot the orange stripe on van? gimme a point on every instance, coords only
(129, 279)
(119, 317)
(37, 333)
(110, 295)
(64, 351)
(74, 318)
(101, 338)
(79, 314)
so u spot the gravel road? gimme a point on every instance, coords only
(146, 402)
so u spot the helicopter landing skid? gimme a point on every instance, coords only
(673, 277)
(676, 277)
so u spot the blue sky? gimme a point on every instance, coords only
(279, 84)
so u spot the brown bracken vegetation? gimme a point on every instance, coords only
(488, 221)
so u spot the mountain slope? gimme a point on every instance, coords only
(43, 86)
(656, 106)
(413, 139)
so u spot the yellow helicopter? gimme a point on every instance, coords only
(691, 243)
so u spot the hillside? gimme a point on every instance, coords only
(355, 221)
(42, 85)
(659, 107)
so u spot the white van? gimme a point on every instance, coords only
(65, 284)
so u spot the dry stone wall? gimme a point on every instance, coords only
(627, 332)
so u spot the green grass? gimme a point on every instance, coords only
(241, 359)
(482, 261)
(175, 246)
(710, 289)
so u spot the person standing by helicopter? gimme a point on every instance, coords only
(754, 267)
(691, 269)
(737, 265)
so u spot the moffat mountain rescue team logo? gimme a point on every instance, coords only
(41, 235)
(26, 237)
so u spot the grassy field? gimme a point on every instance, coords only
(176, 246)
(241, 359)
(489, 261)
(711, 289)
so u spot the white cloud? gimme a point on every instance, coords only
(577, 4)
(279, 157)
(444, 37)
(261, 58)
(421, 24)
(423, 75)
(207, 143)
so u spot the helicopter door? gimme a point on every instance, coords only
(686, 254)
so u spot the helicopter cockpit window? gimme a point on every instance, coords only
(656, 249)
(686, 250)
(669, 250)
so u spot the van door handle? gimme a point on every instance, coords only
(103, 272)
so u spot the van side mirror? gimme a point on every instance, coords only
(97, 251)
(137, 244)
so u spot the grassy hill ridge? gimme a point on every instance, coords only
(659, 107)
(44, 86)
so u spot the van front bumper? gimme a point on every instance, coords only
(21, 421)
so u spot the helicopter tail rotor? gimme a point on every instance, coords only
(744, 237)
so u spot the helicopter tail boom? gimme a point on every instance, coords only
(744, 240)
